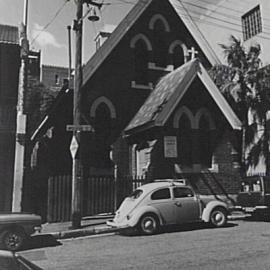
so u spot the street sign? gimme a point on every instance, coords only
(74, 147)
(79, 128)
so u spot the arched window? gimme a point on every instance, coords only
(141, 62)
(178, 52)
(178, 58)
(160, 48)
(185, 140)
(102, 126)
(205, 142)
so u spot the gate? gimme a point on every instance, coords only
(100, 194)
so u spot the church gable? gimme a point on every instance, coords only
(169, 93)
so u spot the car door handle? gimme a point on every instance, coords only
(178, 204)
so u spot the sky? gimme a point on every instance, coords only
(217, 19)
(53, 41)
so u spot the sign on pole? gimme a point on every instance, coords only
(79, 128)
(74, 147)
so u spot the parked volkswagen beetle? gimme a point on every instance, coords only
(166, 202)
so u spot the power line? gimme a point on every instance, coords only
(221, 6)
(223, 21)
(217, 12)
(50, 22)
(221, 26)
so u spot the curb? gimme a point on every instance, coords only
(81, 232)
(238, 217)
(103, 230)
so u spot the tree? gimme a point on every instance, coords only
(245, 84)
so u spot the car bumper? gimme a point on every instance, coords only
(113, 224)
(254, 209)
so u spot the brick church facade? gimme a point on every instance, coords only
(154, 109)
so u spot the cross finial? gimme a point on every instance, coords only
(192, 52)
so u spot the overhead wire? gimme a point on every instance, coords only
(50, 22)
(217, 12)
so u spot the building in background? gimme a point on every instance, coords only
(9, 77)
(53, 77)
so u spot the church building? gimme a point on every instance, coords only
(155, 111)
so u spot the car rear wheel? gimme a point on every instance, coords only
(12, 239)
(149, 224)
(218, 217)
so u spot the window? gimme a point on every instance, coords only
(161, 194)
(57, 79)
(141, 62)
(185, 141)
(182, 192)
(102, 135)
(205, 142)
(136, 194)
(178, 57)
(252, 23)
(160, 49)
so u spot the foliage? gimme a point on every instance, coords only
(37, 102)
(245, 84)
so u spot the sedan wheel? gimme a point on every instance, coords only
(218, 217)
(149, 224)
(12, 240)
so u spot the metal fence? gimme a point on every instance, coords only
(100, 194)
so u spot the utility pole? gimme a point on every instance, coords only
(21, 117)
(76, 128)
(77, 166)
(69, 54)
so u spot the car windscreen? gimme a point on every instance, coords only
(251, 185)
(136, 194)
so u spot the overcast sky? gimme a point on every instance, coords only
(53, 41)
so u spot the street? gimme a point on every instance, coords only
(240, 245)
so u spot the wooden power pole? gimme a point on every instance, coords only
(21, 117)
(77, 166)
(77, 169)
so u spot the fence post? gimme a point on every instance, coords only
(115, 187)
(49, 200)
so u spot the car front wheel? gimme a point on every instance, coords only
(12, 239)
(218, 217)
(149, 224)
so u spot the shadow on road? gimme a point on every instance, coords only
(193, 227)
(177, 228)
(41, 241)
(256, 218)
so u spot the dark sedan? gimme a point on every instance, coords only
(15, 228)
(12, 261)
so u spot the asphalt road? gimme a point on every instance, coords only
(241, 245)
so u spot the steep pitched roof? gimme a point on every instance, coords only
(9, 34)
(169, 92)
(135, 13)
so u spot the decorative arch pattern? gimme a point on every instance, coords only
(204, 112)
(100, 100)
(141, 37)
(178, 43)
(160, 17)
(184, 110)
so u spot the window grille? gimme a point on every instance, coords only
(252, 23)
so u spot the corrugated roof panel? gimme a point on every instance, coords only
(9, 34)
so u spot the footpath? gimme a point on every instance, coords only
(95, 225)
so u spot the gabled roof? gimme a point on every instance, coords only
(9, 34)
(168, 93)
(135, 13)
